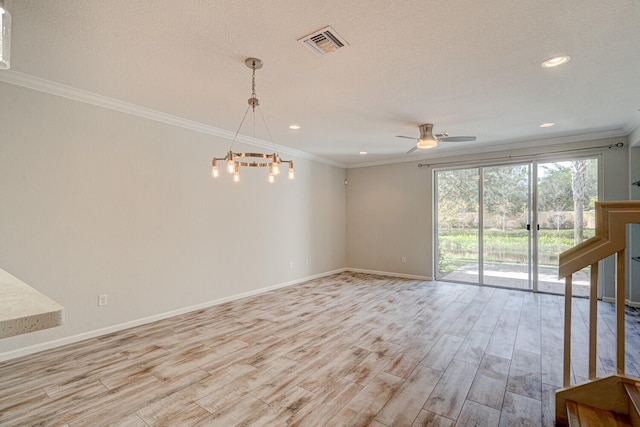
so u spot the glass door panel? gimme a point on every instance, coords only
(567, 192)
(457, 219)
(506, 242)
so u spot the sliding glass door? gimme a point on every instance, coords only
(505, 225)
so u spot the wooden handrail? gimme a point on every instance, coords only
(610, 238)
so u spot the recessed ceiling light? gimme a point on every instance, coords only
(362, 153)
(547, 125)
(555, 61)
(294, 127)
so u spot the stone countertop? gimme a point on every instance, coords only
(23, 309)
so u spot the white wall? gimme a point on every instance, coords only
(93, 201)
(389, 217)
(389, 207)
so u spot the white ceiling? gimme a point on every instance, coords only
(470, 67)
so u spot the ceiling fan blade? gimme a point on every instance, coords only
(414, 148)
(457, 138)
(408, 137)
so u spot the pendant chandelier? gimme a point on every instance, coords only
(234, 161)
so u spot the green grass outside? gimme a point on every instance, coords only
(460, 246)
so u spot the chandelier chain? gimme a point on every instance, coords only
(253, 82)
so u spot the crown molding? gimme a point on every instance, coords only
(69, 92)
(508, 146)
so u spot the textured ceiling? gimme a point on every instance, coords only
(470, 67)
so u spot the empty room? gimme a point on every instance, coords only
(277, 213)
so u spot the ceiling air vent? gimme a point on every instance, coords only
(323, 41)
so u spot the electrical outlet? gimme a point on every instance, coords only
(306, 261)
(403, 259)
(102, 300)
(291, 264)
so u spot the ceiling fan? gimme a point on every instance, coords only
(429, 140)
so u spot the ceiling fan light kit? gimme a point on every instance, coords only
(429, 140)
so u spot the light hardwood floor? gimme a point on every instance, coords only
(345, 350)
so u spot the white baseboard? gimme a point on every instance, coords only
(388, 273)
(626, 302)
(25, 351)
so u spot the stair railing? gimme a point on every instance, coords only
(610, 239)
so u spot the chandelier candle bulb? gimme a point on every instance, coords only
(214, 169)
(236, 173)
(291, 173)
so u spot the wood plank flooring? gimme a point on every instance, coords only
(345, 350)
